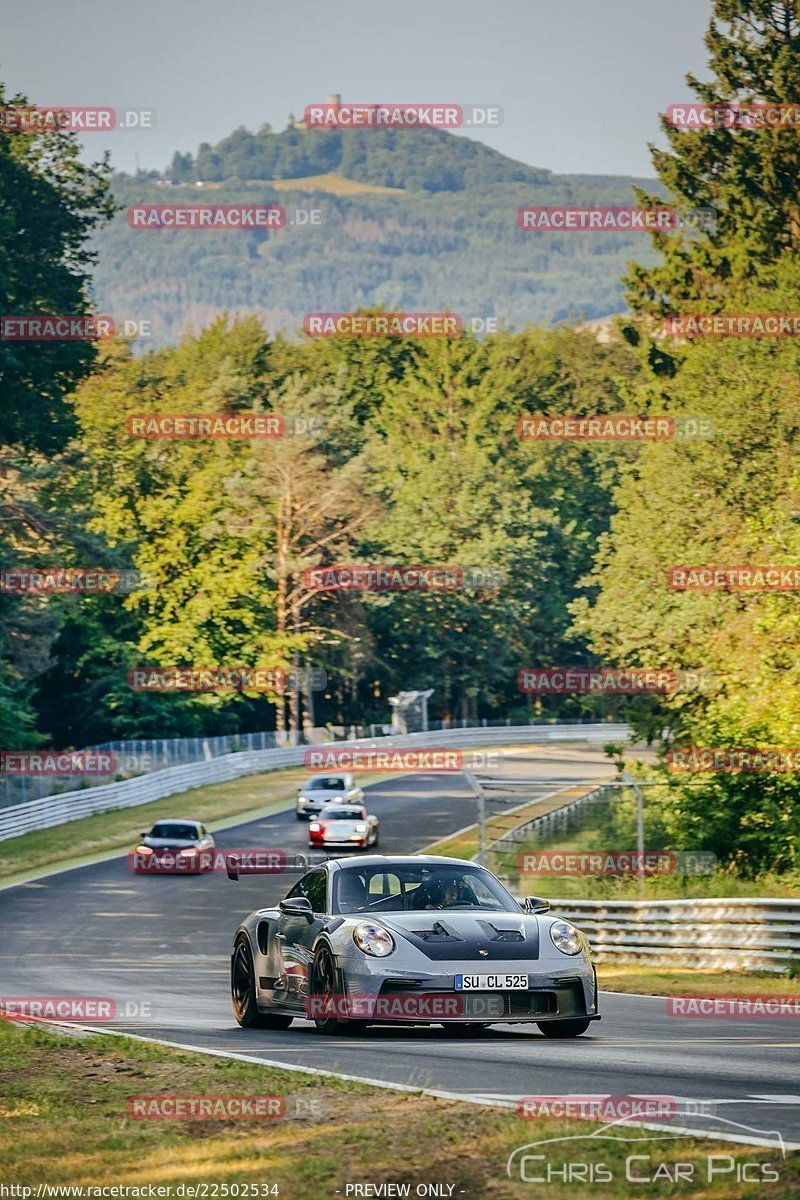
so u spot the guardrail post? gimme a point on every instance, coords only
(626, 775)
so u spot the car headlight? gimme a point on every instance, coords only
(361, 828)
(373, 939)
(566, 937)
(314, 827)
(187, 853)
(143, 850)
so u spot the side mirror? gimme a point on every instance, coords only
(535, 904)
(144, 833)
(298, 906)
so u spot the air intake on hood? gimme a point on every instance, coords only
(495, 934)
(437, 933)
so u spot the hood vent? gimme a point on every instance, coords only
(437, 933)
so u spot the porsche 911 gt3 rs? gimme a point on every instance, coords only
(417, 939)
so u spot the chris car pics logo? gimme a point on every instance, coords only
(621, 1152)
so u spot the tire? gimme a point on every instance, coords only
(323, 983)
(243, 992)
(463, 1029)
(300, 816)
(563, 1029)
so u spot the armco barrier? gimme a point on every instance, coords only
(725, 934)
(71, 806)
(736, 934)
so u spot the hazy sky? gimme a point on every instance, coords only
(581, 81)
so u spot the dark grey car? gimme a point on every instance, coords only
(410, 938)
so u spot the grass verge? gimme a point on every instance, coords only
(66, 1121)
(91, 837)
(79, 842)
(679, 981)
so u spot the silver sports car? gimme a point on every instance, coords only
(405, 938)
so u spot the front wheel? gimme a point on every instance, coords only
(563, 1029)
(243, 992)
(323, 993)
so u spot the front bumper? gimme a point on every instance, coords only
(433, 999)
(324, 843)
(554, 999)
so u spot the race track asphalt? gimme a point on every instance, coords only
(159, 947)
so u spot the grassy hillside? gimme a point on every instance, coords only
(386, 237)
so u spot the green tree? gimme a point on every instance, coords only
(52, 204)
(747, 175)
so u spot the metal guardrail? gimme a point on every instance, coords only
(141, 756)
(722, 934)
(725, 934)
(556, 818)
(71, 806)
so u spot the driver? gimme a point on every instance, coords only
(447, 893)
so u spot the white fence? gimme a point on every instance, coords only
(71, 806)
(725, 934)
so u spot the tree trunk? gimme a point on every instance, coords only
(294, 701)
(308, 705)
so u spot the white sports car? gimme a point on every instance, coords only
(326, 789)
(343, 825)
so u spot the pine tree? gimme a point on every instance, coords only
(747, 175)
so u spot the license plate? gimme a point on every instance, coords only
(504, 983)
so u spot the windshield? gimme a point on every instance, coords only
(406, 887)
(326, 784)
(341, 814)
(170, 829)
